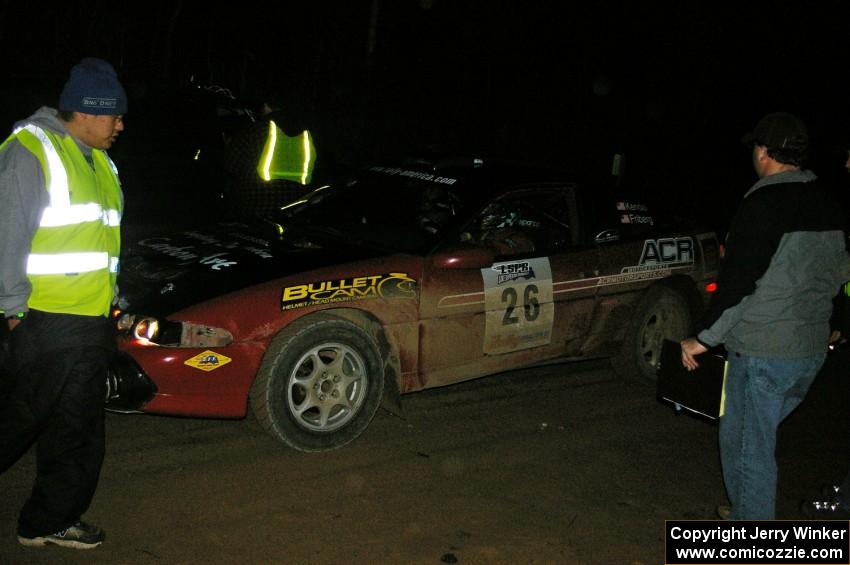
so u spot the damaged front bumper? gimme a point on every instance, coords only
(128, 388)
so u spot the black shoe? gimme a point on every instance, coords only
(79, 536)
(826, 510)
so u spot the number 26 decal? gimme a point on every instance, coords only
(530, 305)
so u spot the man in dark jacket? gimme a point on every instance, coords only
(785, 262)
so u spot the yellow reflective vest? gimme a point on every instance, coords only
(287, 158)
(73, 262)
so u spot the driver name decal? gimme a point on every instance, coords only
(389, 285)
(634, 213)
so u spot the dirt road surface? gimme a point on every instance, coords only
(561, 464)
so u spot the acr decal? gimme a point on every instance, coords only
(518, 302)
(657, 260)
(667, 251)
(208, 361)
(389, 285)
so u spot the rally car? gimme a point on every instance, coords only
(400, 279)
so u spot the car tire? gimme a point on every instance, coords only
(662, 313)
(319, 385)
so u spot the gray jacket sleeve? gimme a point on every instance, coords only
(716, 334)
(23, 197)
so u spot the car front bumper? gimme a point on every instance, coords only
(128, 388)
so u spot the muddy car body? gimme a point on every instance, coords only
(403, 278)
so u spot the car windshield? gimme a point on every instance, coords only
(392, 208)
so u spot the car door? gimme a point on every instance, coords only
(633, 256)
(517, 289)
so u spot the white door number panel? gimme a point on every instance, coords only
(518, 299)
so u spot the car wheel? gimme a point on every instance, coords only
(661, 314)
(319, 385)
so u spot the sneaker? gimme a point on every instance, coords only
(79, 536)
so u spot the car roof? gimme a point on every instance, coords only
(474, 174)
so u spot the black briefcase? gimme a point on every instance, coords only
(700, 390)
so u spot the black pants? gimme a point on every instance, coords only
(58, 371)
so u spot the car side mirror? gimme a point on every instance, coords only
(607, 236)
(463, 256)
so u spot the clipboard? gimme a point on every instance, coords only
(699, 391)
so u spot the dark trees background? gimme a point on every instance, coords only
(670, 85)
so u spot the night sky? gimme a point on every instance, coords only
(671, 85)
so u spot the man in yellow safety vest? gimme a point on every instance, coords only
(60, 208)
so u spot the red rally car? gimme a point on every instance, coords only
(400, 279)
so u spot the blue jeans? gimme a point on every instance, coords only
(760, 393)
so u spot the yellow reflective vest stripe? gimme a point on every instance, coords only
(287, 158)
(73, 262)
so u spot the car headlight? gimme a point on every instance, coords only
(147, 330)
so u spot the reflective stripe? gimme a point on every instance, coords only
(78, 214)
(61, 212)
(287, 158)
(58, 188)
(73, 262)
(111, 218)
(307, 156)
(266, 161)
(111, 164)
(54, 216)
(66, 263)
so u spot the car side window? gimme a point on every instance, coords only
(437, 208)
(528, 221)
